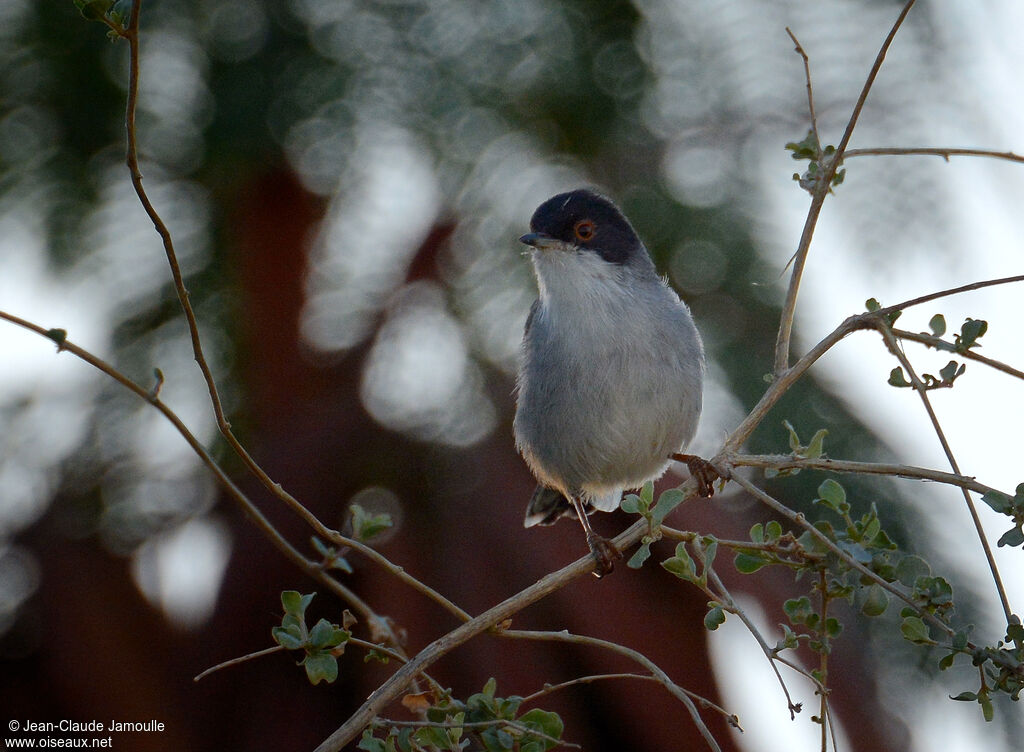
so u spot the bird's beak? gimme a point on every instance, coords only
(539, 240)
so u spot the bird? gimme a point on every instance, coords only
(611, 368)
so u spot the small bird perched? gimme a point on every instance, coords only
(611, 368)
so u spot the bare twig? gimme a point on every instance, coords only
(945, 153)
(552, 688)
(947, 293)
(238, 660)
(810, 89)
(790, 462)
(821, 189)
(922, 392)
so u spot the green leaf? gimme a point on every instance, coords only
(799, 610)
(321, 667)
(872, 305)
(641, 555)
(896, 377)
(366, 526)
(794, 440)
(681, 565)
(876, 602)
(915, 630)
(937, 324)
(999, 501)
(965, 697)
(757, 533)
(947, 661)
(369, 744)
(668, 501)
(630, 504)
(647, 495)
(714, 618)
(832, 495)
(970, 331)
(1012, 537)
(910, 568)
(748, 563)
(773, 531)
(295, 603)
(986, 707)
(545, 722)
(816, 448)
(286, 639)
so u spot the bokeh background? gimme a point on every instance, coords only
(345, 182)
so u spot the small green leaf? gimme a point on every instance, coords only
(1012, 537)
(947, 661)
(876, 602)
(681, 565)
(915, 630)
(773, 531)
(321, 667)
(668, 501)
(896, 378)
(748, 563)
(366, 526)
(714, 618)
(641, 555)
(630, 504)
(647, 495)
(970, 331)
(910, 569)
(965, 697)
(986, 707)
(295, 603)
(545, 722)
(999, 501)
(937, 324)
(872, 305)
(832, 495)
(369, 744)
(794, 440)
(286, 639)
(757, 533)
(816, 448)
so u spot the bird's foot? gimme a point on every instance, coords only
(702, 471)
(604, 552)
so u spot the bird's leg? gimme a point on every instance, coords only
(702, 471)
(603, 550)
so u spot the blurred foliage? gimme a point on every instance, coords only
(398, 117)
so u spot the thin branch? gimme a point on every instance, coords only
(940, 344)
(789, 462)
(807, 77)
(945, 153)
(821, 189)
(783, 382)
(947, 293)
(238, 660)
(683, 695)
(552, 688)
(730, 602)
(922, 392)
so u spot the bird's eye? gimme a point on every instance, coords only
(584, 230)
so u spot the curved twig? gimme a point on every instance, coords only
(821, 189)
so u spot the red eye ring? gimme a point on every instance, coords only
(584, 230)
